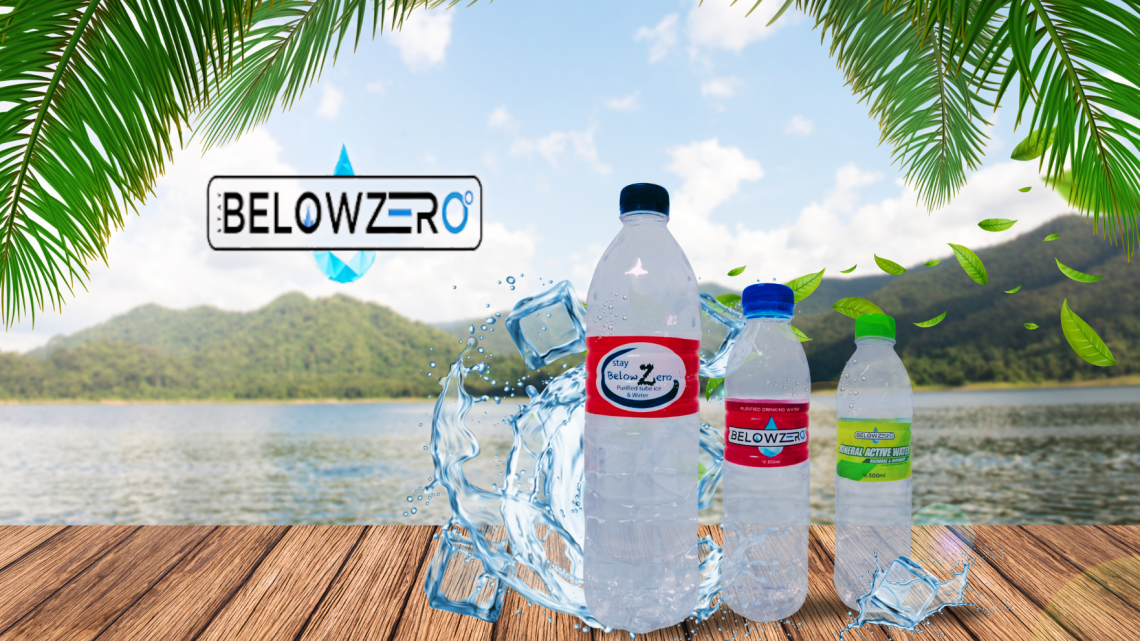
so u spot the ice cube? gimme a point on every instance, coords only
(720, 327)
(906, 594)
(548, 326)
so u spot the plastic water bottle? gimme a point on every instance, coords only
(642, 431)
(765, 482)
(874, 406)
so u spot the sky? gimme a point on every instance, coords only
(769, 160)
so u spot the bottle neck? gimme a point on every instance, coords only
(769, 318)
(874, 340)
(641, 218)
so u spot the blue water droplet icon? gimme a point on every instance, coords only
(510, 280)
(433, 365)
(409, 498)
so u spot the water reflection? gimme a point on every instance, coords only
(1027, 456)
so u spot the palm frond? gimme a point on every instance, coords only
(910, 77)
(285, 54)
(1083, 57)
(99, 90)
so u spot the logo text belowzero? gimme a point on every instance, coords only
(344, 212)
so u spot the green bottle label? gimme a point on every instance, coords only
(873, 450)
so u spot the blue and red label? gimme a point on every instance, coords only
(643, 376)
(765, 433)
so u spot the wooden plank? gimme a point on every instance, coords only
(18, 540)
(367, 597)
(1098, 555)
(1127, 535)
(421, 622)
(1001, 611)
(95, 598)
(181, 605)
(35, 576)
(278, 599)
(524, 621)
(1084, 608)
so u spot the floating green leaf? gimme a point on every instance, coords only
(889, 266)
(849, 269)
(1031, 326)
(736, 272)
(701, 470)
(933, 263)
(800, 335)
(1083, 339)
(855, 307)
(1025, 189)
(711, 386)
(934, 321)
(1034, 145)
(970, 263)
(728, 300)
(996, 224)
(1080, 277)
(803, 286)
(1014, 290)
(1051, 237)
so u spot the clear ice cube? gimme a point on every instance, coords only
(905, 595)
(720, 327)
(548, 326)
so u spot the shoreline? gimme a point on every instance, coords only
(1118, 381)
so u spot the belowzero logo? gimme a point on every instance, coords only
(641, 377)
(302, 213)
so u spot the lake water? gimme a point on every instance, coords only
(1027, 456)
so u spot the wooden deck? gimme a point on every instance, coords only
(346, 583)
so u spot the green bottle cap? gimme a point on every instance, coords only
(875, 325)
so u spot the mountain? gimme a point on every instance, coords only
(983, 337)
(295, 347)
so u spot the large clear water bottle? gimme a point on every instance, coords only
(765, 482)
(642, 431)
(874, 406)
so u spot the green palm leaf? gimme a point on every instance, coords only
(99, 91)
(910, 78)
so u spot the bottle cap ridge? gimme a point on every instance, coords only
(768, 300)
(875, 325)
(644, 197)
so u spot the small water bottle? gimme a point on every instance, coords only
(874, 406)
(642, 430)
(765, 482)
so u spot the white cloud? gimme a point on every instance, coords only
(162, 257)
(423, 39)
(717, 24)
(555, 145)
(661, 38)
(331, 100)
(799, 125)
(840, 229)
(628, 103)
(376, 86)
(720, 87)
(500, 118)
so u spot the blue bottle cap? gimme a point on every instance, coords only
(644, 197)
(768, 300)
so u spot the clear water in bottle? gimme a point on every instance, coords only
(642, 431)
(765, 482)
(874, 406)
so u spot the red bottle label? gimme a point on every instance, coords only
(643, 376)
(765, 433)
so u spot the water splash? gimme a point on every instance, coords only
(907, 603)
(527, 534)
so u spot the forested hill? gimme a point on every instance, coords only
(295, 347)
(983, 337)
